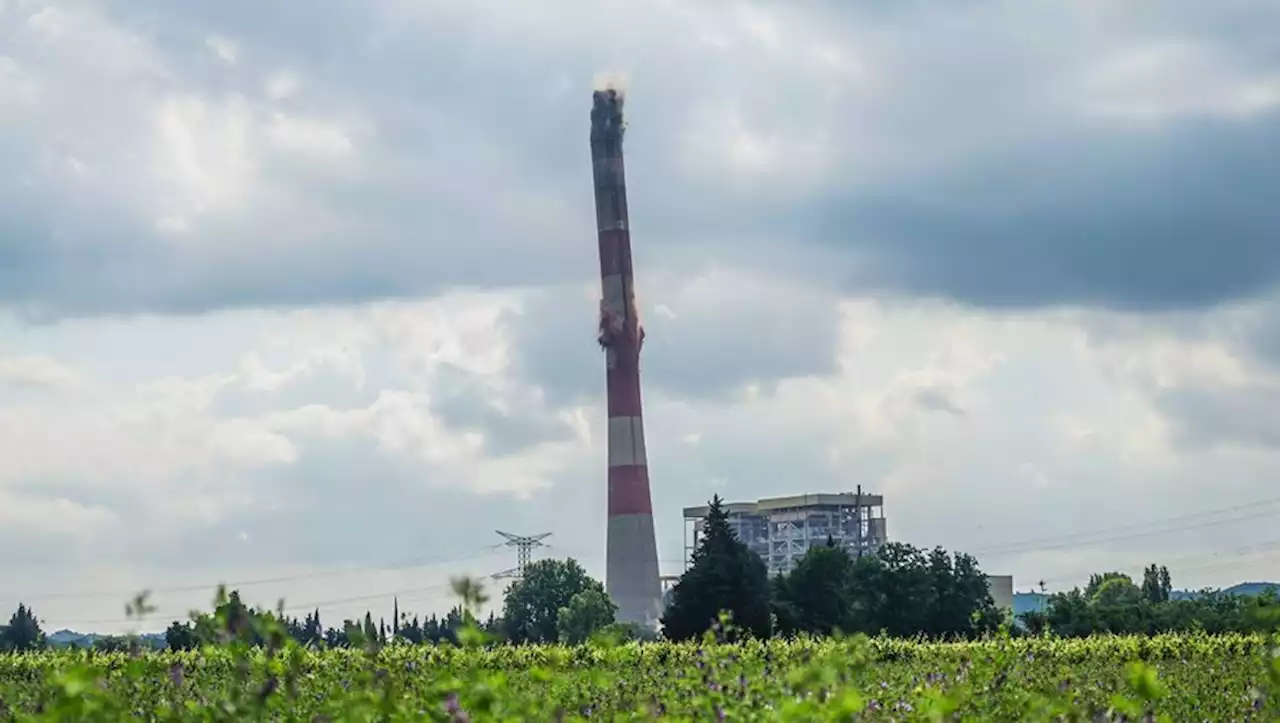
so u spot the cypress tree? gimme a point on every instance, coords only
(725, 576)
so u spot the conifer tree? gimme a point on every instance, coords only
(23, 631)
(725, 576)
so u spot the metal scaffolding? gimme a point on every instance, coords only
(782, 529)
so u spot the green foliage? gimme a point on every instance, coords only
(817, 596)
(260, 671)
(1097, 580)
(1112, 603)
(936, 655)
(1156, 584)
(900, 590)
(181, 636)
(1117, 591)
(725, 576)
(1171, 678)
(532, 605)
(587, 612)
(621, 632)
(23, 631)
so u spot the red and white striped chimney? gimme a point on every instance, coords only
(631, 570)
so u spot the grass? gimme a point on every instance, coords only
(1175, 677)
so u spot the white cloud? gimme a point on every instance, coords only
(943, 410)
(58, 515)
(282, 85)
(1161, 80)
(375, 287)
(341, 359)
(227, 50)
(202, 155)
(308, 136)
(39, 371)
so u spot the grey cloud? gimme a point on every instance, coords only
(1256, 333)
(342, 501)
(22, 548)
(553, 339)
(445, 201)
(345, 502)
(1205, 417)
(464, 404)
(478, 176)
(738, 331)
(1176, 220)
(40, 543)
(705, 335)
(1204, 413)
(939, 399)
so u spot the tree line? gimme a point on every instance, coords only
(899, 590)
(231, 617)
(1113, 603)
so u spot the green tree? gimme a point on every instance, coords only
(1112, 603)
(896, 590)
(112, 644)
(1070, 614)
(1116, 591)
(312, 630)
(231, 619)
(725, 576)
(962, 603)
(181, 636)
(1096, 581)
(815, 596)
(335, 638)
(411, 630)
(23, 631)
(905, 592)
(587, 612)
(531, 606)
(1156, 586)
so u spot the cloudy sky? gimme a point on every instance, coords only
(302, 296)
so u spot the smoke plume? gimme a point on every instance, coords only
(611, 80)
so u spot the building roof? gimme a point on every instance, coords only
(769, 504)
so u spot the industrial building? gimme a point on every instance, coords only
(1001, 589)
(781, 529)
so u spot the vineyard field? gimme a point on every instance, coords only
(1177, 678)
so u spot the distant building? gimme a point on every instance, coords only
(1001, 588)
(781, 529)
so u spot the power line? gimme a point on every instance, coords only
(438, 587)
(524, 545)
(333, 572)
(1082, 539)
(1268, 546)
(1221, 565)
(582, 553)
(402, 593)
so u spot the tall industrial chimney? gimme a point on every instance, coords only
(631, 570)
